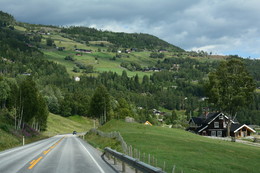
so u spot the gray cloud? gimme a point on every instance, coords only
(225, 27)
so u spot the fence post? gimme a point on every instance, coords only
(149, 159)
(23, 141)
(173, 169)
(164, 166)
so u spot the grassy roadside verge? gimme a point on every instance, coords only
(102, 142)
(8, 140)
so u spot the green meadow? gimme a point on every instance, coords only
(57, 124)
(188, 152)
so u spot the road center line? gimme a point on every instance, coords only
(45, 152)
(99, 167)
(35, 162)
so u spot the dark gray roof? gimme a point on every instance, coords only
(203, 120)
(210, 117)
(197, 120)
(235, 126)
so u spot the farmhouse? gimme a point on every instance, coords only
(216, 124)
(148, 123)
(83, 50)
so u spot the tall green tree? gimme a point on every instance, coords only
(28, 98)
(100, 104)
(32, 107)
(230, 87)
(4, 93)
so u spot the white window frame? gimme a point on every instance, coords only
(219, 133)
(216, 124)
(213, 133)
(224, 124)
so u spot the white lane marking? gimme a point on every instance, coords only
(99, 167)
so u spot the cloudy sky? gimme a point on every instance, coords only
(217, 26)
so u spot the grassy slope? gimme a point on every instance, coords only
(56, 125)
(59, 125)
(8, 141)
(189, 152)
(104, 64)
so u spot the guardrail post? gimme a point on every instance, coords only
(115, 160)
(107, 155)
(23, 141)
(123, 166)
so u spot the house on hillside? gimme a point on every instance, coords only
(215, 124)
(148, 123)
(83, 50)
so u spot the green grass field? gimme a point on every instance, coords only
(102, 64)
(57, 124)
(189, 152)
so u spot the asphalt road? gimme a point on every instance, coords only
(59, 154)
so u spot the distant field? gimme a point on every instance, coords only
(189, 152)
(57, 124)
(102, 64)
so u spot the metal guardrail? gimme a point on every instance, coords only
(135, 163)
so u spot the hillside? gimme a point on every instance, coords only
(60, 125)
(188, 152)
(119, 40)
(147, 73)
(56, 124)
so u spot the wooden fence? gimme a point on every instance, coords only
(130, 151)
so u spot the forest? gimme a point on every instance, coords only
(32, 86)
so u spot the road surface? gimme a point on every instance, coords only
(59, 154)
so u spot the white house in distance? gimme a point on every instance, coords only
(77, 79)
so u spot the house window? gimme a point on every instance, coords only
(219, 133)
(224, 124)
(216, 124)
(221, 117)
(213, 133)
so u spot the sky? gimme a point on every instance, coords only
(226, 27)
